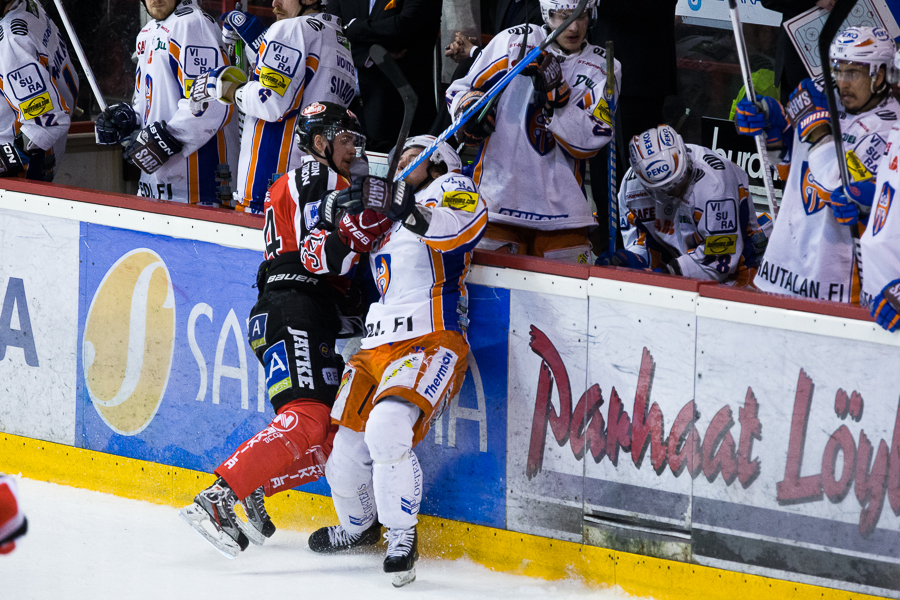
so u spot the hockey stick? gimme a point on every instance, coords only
(613, 199)
(760, 139)
(80, 53)
(835, 19)
(392, 71)
(495, 89)
(236, 50)
(495, 99)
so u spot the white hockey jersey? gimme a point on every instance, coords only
(171, 54)
(810, 254)
(37, 79)
(301, 61)
(709, 233)
(880, 243)
(531, 169)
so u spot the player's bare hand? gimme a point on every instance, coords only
(460, 48)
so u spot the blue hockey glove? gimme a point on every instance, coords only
(886, 306)
(768, 117)
(846, 210)
(622, 258)
(248, 28)
(115, 124)
(807, 108)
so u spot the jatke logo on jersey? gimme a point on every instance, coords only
(129, 340)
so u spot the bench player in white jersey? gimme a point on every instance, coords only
(38, 87)
(300, 61)
(183, 156)
(810, 252)
(532, 153)
(413, 358)
(685, 210)
(292, 329)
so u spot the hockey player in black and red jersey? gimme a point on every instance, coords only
(413, 358)
(810, 252)
(38, 88)
(292, 330)
(685, 211)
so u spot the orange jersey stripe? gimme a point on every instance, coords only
(500, 65)
(572, 151)
(465, 236)
(437, 308)
(257, 135)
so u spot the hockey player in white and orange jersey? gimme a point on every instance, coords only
(685, 211)
(413, 358)
(532, 153)
(810, 252)
(38, 89)
(183, 156)
(301, 60)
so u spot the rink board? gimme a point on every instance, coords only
(629, 412)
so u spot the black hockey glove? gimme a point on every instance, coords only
(115, 124)
(330, 212)
(39, 165)
(152, 147)
(473, 131)
(12, 162)
(546, 74)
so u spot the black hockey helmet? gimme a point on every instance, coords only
(328, 120)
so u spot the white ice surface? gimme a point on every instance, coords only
(87, 545)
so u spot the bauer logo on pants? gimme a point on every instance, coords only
(129, 340)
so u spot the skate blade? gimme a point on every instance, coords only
(253, 534)
(404, 577)
(195, 516)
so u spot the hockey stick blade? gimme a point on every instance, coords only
(495, 89)
(391, 70)
(836, 18)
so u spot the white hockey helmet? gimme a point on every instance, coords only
(659, 158)
(864, 45)
(443, 154)
(551, 6)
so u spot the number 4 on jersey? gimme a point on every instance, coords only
(273, 240)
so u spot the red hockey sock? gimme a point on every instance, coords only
(289, 452)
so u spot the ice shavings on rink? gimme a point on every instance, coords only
(87, 545)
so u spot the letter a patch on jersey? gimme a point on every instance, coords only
(257, 328)
(278, 376)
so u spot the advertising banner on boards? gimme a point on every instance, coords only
(38, 314)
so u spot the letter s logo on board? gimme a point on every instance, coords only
(129, 341)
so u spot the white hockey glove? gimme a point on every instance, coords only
(218, 84)
(152, 147)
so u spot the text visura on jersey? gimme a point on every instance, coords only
(300, 61)
(880, 243)
(709, 233)
(171, 54)
(531, 169)
(810, 254)
(38, 83)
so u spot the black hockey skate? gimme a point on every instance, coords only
(402, 552)
(258, 526)
(329, 540)
(212, 516)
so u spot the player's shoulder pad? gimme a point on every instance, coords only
(313, 22)
(512, 38)
(188, 12)
(455, 191)
(713, 175)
